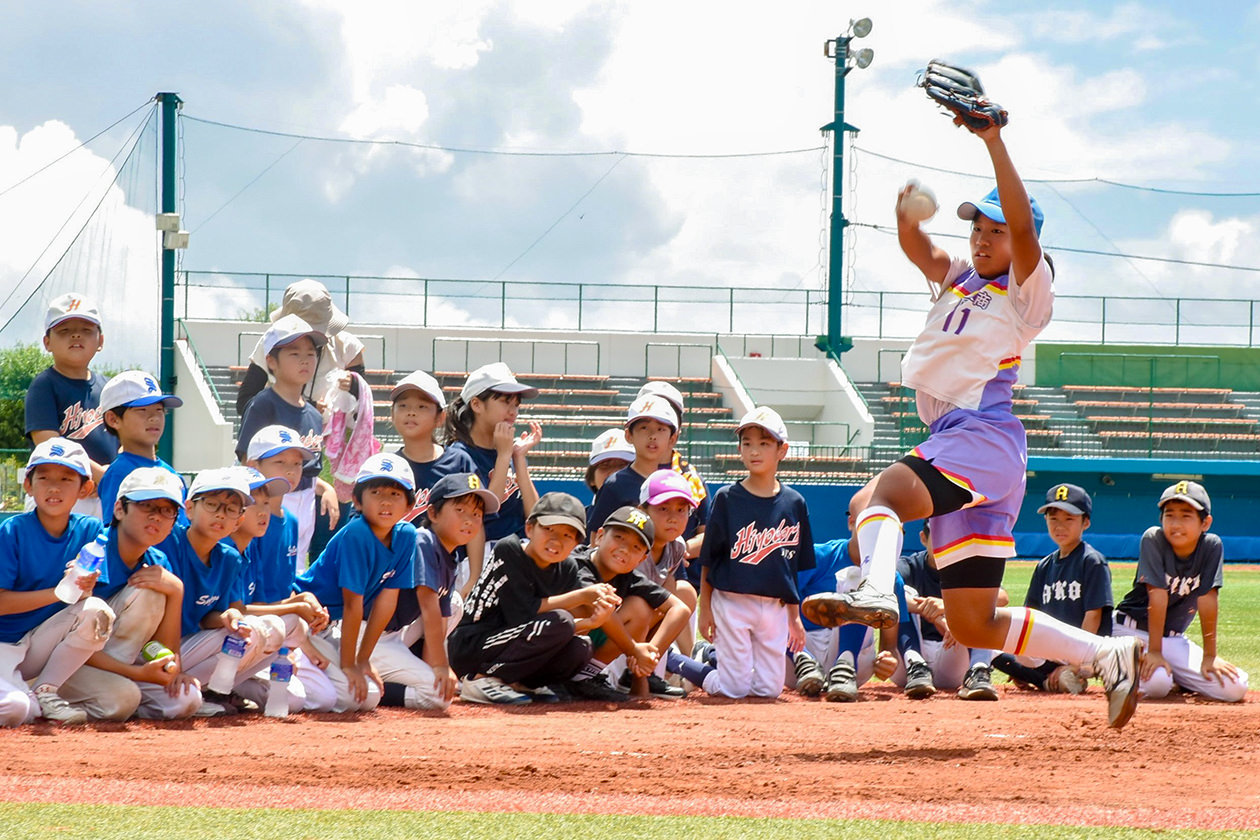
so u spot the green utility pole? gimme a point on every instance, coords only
(170, 104)
(834, 341)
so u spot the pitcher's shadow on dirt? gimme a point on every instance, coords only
(868, 756)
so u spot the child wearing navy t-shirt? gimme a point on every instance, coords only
(758, 539)
(359, 575)
(64, 399)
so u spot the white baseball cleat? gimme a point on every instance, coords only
(54, 707)
(1118, 664)
(864, 605)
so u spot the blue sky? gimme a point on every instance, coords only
(1153, 94)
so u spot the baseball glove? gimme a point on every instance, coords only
(960, 92)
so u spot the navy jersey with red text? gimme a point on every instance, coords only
(755, 545)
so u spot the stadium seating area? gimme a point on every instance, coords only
(1078, 420)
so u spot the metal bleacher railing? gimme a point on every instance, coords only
(423, 302)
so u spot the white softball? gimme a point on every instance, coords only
(919, 204)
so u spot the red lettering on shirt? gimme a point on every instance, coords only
(752, 545)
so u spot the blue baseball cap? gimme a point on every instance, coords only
(463, 484)
(65, 453)
(1069, 498)
(272, 440)
(135, 388)
(990, 206)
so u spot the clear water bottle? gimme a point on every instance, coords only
(223, 680)
(278, 686)
(91, 558)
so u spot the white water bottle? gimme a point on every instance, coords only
(91, 558)
(278, 686)
(223, 680)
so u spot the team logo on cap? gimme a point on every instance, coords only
(637, 518)
(474, 481)
(1181, 488)
(285, 437)
(151, 385)
(73, 304)
(1061, 493)
(387, 465)
(56, 450)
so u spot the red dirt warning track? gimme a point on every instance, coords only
(1026, 759)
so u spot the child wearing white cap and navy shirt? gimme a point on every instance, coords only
(147, 599)
(757, 540)
(418, 412)
(42, 637)
(652, 429)
(291, 347)
(134, 409)
(64, 399)
(358, 575)
(481, 421)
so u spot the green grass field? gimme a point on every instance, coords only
(135, 823)
(1240, 643)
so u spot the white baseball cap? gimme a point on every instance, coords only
(145, 483)
(495, 376)
(309, 300)
(232, 479)
(422, 382)
(390, 466)
(287, 330)
(68, 306)
(134, 388)
(661, 388)
(257, 480)
(272, 440)
(611, 443)
(652, 407)
(768, 419)
(58, 450)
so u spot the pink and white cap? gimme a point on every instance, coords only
(663, 485)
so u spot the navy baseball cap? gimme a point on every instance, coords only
(633, 520)
(990, 206)
(1190, 492)
(463, 484)
(1070, 498)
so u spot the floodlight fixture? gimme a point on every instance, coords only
(862, 58)
(861, 27)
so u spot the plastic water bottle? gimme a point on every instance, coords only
(91, 558)
(223, 680)
(278, 686)
(156, 650)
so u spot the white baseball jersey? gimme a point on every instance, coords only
(968, 353)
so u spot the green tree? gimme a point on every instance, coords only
(18, 366)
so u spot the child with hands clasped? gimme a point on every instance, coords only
(358, 577)
(411, 657)
(519, 634)
(968, 476)
(758, 539)
(649, 617)
(1180, 572)
(42, 637)
(481, 422)
(147, 599)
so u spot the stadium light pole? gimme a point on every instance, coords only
(170, 104)
(845, 59)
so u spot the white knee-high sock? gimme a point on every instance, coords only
(1034, 633)
(878, 535)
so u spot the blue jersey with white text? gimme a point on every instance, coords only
(356, 560)
(123, 466)
(32, 559)
(756, 545)
(208, 587)
(116, 573)
(271, 562)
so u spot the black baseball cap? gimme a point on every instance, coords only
(1070, 498)
(463, 484)
(1190, 492)
(557, 508)
(633, 519)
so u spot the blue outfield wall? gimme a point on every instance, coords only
(1124, 490)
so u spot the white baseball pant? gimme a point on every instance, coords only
(105, 695)
(752, 634)
(328, 643)
(1185, 658)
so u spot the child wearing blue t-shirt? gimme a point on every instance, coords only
(209, 566)
(42, 638)
(358, 577)
(411, 657)
(134, 410)
(147, 599)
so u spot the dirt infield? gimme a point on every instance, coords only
(1028, 758)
